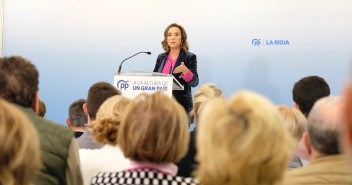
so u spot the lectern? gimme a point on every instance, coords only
(133, 83)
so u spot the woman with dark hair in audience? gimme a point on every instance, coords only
(203, 94)
(19, 147)
(178, 61)
(104, 130)
(242, 142)
(154, 135)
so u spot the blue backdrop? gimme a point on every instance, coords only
(75, 43)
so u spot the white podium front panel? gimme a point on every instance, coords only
(131, 86)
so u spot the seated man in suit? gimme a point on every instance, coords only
(327, 165)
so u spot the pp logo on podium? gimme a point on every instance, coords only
(122, 84)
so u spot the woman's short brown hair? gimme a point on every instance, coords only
(154, 129)
(19, 146)
(109, 116)
(184, 42)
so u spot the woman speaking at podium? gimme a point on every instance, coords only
(176, 60)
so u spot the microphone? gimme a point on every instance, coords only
(147, 52)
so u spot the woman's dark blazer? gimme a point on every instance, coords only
(190, 60)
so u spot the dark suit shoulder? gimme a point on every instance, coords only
(189, 54)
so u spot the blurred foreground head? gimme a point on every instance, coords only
(154, 129)
(19, 146)
(242, 142)
(19, 81)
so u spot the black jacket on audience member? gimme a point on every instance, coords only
(188, 163)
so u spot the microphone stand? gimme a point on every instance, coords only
(170, 65)
(147, 52)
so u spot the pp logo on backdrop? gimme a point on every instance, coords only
(122, 84)
(270, 42)
(256, 42)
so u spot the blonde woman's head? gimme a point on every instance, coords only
(154, 129)
(242, 142)
(203, 94)
(19, 146)
(108, 119)
(294, 121)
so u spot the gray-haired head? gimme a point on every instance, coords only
(76, 113)
(324, 125)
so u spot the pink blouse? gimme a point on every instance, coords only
(170, 61)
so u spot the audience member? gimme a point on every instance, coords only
(77, 119)
(296, 124)
(42, 109)
(307, 91)
(59, 152)
(242, 142)
(206, 92)
(104, 130)
(19, 146)
(97, 94)
(327, 165)
(154, 135)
